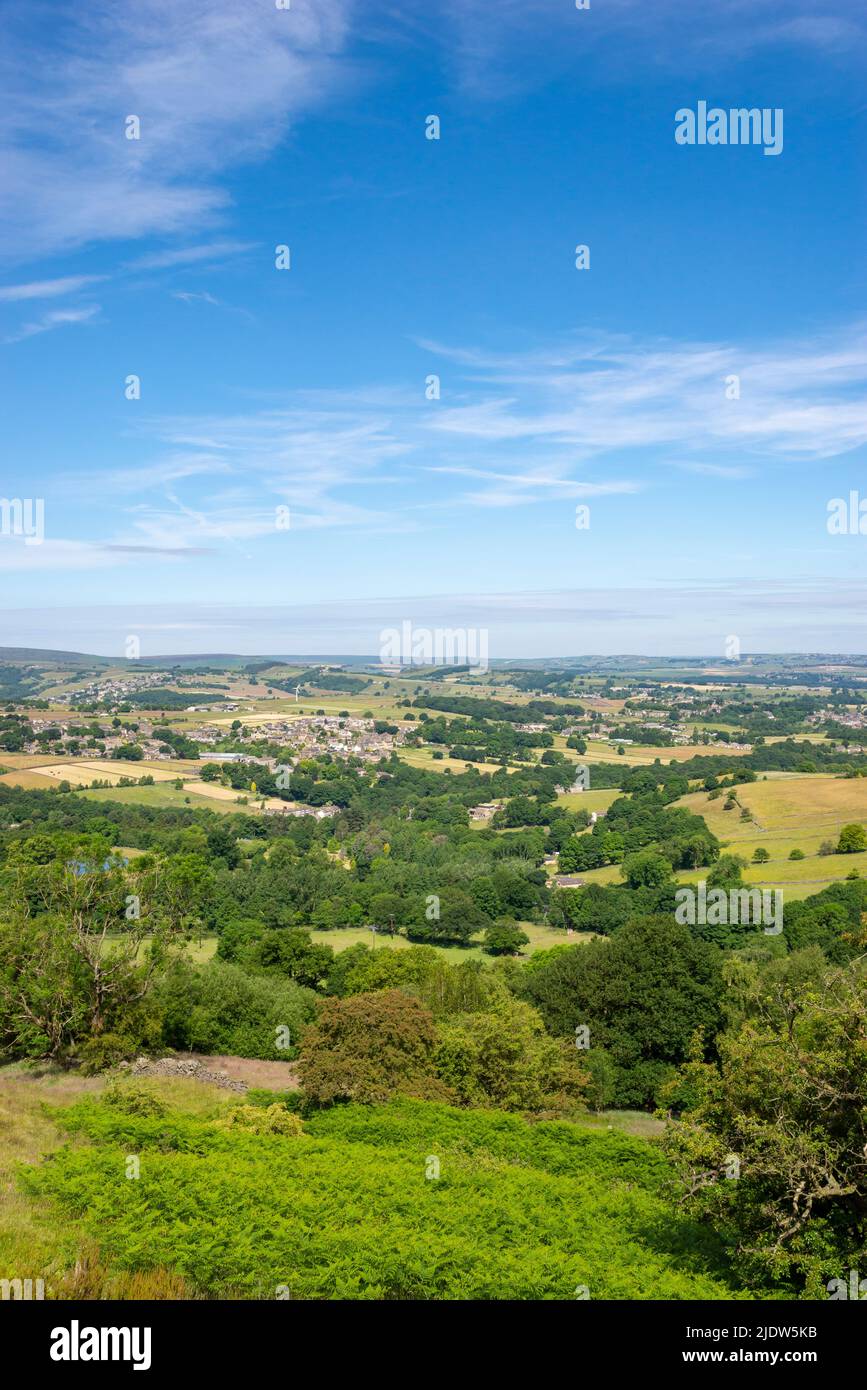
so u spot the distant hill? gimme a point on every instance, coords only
(39, 654)
(197, 659)
(750, 665)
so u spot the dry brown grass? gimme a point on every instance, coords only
(31, 1244)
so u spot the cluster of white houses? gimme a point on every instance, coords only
(313, 735)
(144, 736)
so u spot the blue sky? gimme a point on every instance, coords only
(305, 388)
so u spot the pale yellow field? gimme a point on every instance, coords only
(423, 757)
(218, 792)
(590, 800)
(795, 880)
(30, 781)
(793, 811)
(782, 874)
(38, 776)
(24, 760)
(81, 773)
(797, 811)
(639, 755)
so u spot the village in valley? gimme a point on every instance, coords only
(227, 733)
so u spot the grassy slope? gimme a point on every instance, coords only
(346, 1211)
(33, 1243)
(790, 812)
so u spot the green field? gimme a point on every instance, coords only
(590, 800)
(609, 874)
(541, 938)
(166, 795)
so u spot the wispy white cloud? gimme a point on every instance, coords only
(522, 488)
(190, 255)
(55, 318)
(717, 470)
(193, 296)
(804, 398)
(313, 461)
(47, 289)
(156, 473)
(533, 41)
(213, 83)
(560, 422)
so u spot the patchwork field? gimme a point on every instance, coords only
(80, 772)
(38, 774)
(791, 811)
(30, 781)
(16, 762)
(376, 699)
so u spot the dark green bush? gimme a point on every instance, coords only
(221, 1008)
